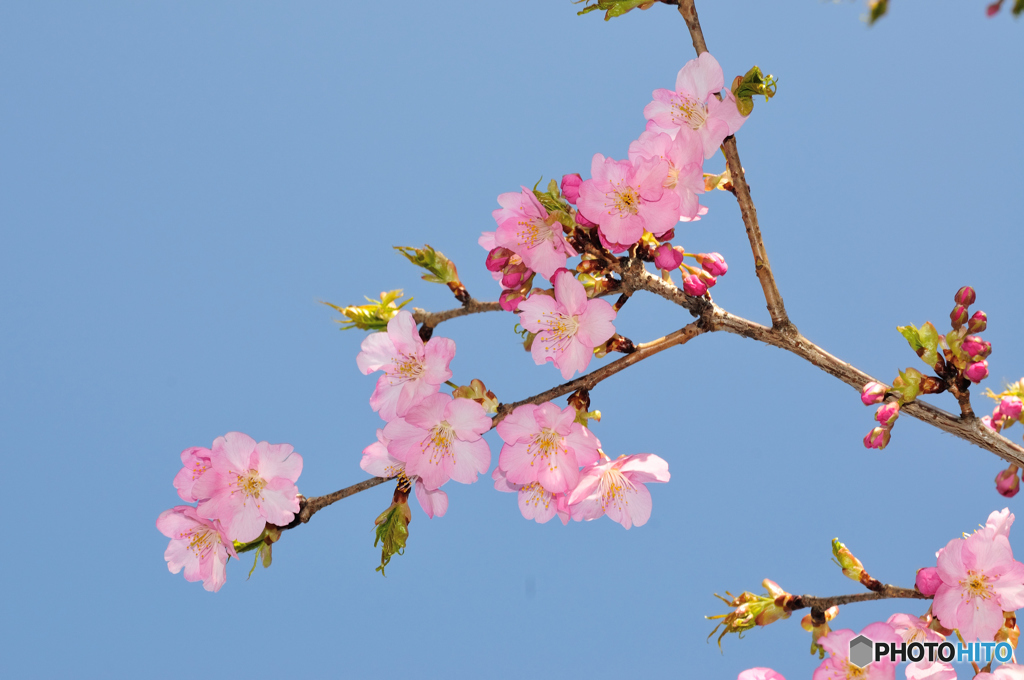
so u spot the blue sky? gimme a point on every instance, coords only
(181, 183)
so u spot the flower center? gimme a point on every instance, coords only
(201, 540)
(438, 442)
(547, 445)
(854, 673)
(406, 368)
(688, 111)
(613, 488)
(199, 468)
(534, 494)
(532, 232)
(251, 485)
(560, 330)
(976, 586)
(625, 199)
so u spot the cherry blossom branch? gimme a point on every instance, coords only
(714, 318)
(588, 381)
(888, 592)
(310, 506)
(772, 297)
(430, 320)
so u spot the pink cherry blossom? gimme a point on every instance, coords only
(914, 629)
(197, 545)
(626, 199)
(980, 580)
(544, 445)
(617, 488)
(667, 257)
(693, 106)
(685, 158)
(1008, 671)
(568, 327)
(249, 485)
(378, 462)
(412, 370)
(440, 439)
(760, 674)
(523, 228)
(195, 461)
(837, 665)
(535, 502)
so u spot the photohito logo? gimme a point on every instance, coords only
(864, 650)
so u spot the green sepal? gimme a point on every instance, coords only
(373, 316)
(440, 268)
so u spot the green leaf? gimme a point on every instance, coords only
(911, 334)
(370, 317)
(440, 268)
(751, 84)
(908, 384)
(614, 8)
(392, 533)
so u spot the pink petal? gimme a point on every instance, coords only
(519, 425)
(434, 502)
(467, 418)
(570, 293)
(595, 323)
(437, 356)
(467, 459)
(584, 444)
(700, 77)
(278, 460)
(402, 331)
(233, 450)
(377, 352)
(645, 468)
(633, 508)
(533, 309)
(280, 501)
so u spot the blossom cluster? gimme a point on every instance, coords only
(240, 488)
(976, 586)
(959, 359)
(431, 437)
(1008, 410)
(633, 203)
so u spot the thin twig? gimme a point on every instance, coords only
(772, 297)
(887, 592)
(473, 306)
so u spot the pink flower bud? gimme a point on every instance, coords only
(510, 299)
(958, 317)
(987, 422)
(713, 263)
(976, 348)
(708, 280)
(887, 413)
(928, 580)
(667, 257)
(515, 274)
(993, 9)
(498, 258)
(571, 187)
(583, 221)
(978, 322)
(878, 438)
(872, 393)
(693, 286)
(977, 371)
(1007, 482)
(965, 296)
(1011, 407)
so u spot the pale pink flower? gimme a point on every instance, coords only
(837, 665)
(249, 485)
(535, 502)
(195, 461)
(685, 158)
(523, 228)
(694, 106)
(544, 444)
(931, 670)
(1008, 671)
(197, 545)
(379, 463)
(999, 523)
(980, 580)
(440, 439)
(412, 370)
(914, 629)
(760, 674)
(617, 488)
(568, 327)
(626, 199)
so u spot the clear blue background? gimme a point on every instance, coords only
(181, 182)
